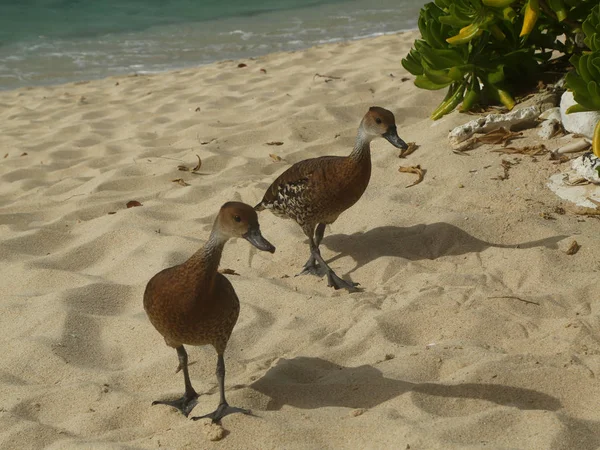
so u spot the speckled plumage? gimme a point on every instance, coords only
(318, 190)
(314, 192)
(192, 303)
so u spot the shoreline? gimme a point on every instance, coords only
(192, 66)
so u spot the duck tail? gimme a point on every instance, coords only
(259, 207)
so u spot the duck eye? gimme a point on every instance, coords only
(378, 120)
(237, 218)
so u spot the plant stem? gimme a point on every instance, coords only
(552, 14)
(596, 140)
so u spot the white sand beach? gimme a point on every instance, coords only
(475, 329)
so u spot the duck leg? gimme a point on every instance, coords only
(223, 409)
(317, 265)
(333, 280)
(311, 266)
(186, 403)
(319, 232)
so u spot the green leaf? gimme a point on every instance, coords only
(412, 63)
(594, 91)
(591, 24)
(559, 9)
(437, 76)
(593, 42)
(439, 58)
(425, 83)
(497, 3)
(458, 73)
(443, 4)
(497, 76)
(576, 83)
(509, 14)
(576, 108)
(449, 103)
(593, 66)
(454, 22)
(584, 101)
(582, 68)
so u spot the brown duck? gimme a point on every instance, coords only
(192, 303)
(314, 192)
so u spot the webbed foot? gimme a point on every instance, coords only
(184, 404)
(222, 410)
(334, 281)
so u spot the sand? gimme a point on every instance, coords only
(475, 328)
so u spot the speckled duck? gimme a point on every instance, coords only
(314, 192)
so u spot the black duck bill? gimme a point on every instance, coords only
(256, 238)
(391, 135)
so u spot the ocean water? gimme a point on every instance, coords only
(56, 41)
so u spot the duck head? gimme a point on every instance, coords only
(379, 122)
(237, 219)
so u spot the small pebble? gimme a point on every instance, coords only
(213, 431)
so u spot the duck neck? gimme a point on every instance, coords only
(362, 147)
(208, 257)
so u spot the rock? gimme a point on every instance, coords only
(548, 128)
(520, 118)
(552, 113)
(213, 431)
(587, 166)
(551, 123)
(581, 123)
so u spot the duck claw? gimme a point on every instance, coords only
(223, 410)
(311, 267)
(184, 404)
(310, 270)
(334, 281)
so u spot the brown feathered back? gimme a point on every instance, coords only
(317, 190)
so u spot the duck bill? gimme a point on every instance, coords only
(391, 135)
(255, 238)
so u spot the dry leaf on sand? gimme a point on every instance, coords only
(194, 170)
(197, 168)
(180, 181)
(498, 136)
(228, 272)
(413, 169)
(530, 150)
(412, 146)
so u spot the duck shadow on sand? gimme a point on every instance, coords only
(310, 383)
(416, 243)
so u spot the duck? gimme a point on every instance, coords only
(314, 192)
(194, 304)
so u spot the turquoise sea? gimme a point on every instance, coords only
(56, 41)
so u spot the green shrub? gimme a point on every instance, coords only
(584, 81)
(488, 51)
